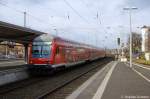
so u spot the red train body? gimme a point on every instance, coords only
(51, 52)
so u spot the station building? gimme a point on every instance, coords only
(146, 41)
(11, 50)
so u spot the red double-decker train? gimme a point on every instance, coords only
(51, 52)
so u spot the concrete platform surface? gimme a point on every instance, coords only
(4, 65)
(116, 81)
(12, 63)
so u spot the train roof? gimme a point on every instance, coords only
(50, 38)
(44, 37)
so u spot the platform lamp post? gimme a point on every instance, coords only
(25, 18)
(25, 45)
(130, 11)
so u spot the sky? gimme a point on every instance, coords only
(95, 22)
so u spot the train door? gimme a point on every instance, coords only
(59, 55)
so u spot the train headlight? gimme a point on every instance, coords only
(31, 62)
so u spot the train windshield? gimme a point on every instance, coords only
(41, 51)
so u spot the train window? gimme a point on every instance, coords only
(45, 50)
(41, 51)
(36, 50)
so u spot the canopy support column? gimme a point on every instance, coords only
(26, 56)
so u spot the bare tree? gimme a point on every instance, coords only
(137, 41)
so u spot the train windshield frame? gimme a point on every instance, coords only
(41, 50)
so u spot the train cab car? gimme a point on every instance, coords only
(41, 51)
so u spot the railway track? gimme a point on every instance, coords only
(45, 95)
(47, 86)
(19, 84)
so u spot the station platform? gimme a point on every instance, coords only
(10, 64)
(12, 70)
(116, 81)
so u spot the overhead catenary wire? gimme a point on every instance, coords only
(48, 8)
(67, 3)
(98, 17)
(36, 18)
(27, 13)
(11, 8)
(41, 20)
(80, 17)
(96, 12)
(46, 22)
(75, 11)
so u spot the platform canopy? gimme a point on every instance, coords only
(11, 32)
